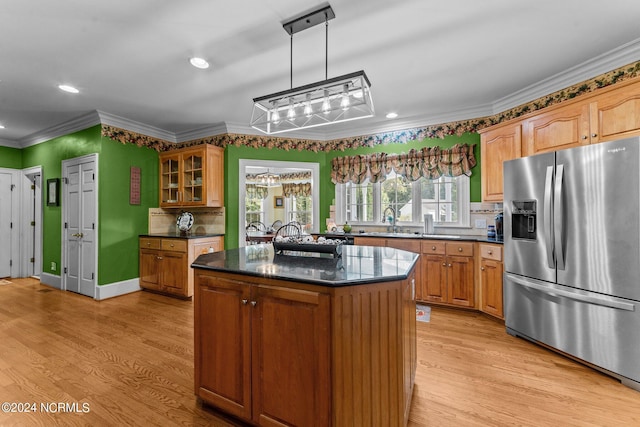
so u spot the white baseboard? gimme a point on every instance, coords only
(118, 288)
(51, 280)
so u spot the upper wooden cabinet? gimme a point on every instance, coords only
(616, 114)
(192, 177)
(497, 145)
(607, 114)
(560, 128)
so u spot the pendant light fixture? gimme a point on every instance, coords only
(328, 101)
(268, 179)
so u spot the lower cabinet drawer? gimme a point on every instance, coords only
(149, 243)
(176, 245)
(460, 248)
(491, 252)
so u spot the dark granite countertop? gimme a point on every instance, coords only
(454, 237)
(358, 264)
(181, 236)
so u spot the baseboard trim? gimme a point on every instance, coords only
(51, 280)
(118, 288)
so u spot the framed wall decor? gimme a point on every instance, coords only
(53, 187)
(278, 201)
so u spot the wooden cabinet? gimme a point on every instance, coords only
(560, 128)
(165, 262)
(497, 145)
(448, 273)
(192, 177)
(246, 365)
(285, 353)
(491, 268)
(615, 114)
(410, 245)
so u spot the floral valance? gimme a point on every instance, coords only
(255, 192)
(298, 190)
(427, 162)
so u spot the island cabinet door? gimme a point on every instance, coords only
(291, 357)
(222, 344)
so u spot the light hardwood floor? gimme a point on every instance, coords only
(131, 360)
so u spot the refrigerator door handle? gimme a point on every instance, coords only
(558, 217)
(542, 287)
(548, 209)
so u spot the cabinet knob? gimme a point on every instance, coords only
(593, 135)
(490, 252)
(584, 137)
(433, 248)
(245, 301)
(444, 264)
(449, 265)
(148, 243)
(253, 303)
(459, 249)
(482, 268)
(159, 257)
(171, 245)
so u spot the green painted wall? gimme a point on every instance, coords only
(327, 189)
(10, 158)
(232, 157)
(119, 223)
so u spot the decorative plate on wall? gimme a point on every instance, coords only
(185, 221)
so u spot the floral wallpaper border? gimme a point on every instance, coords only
(398, 137)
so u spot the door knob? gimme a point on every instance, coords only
(78, 235)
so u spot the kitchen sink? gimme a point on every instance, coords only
(410, 235)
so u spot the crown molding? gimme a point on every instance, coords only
(133, 126)
(203, 132)
(9, 143)
(615, 58)
(79, 123)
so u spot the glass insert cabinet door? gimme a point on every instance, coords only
(170, 179)
(192, 178)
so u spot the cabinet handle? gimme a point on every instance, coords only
(148, 243)
(490, 252)
(482, 268)
(449, 265)
(253, 303)
(245, 301)
(444, 264)
(159, 257)
(593, 135)
(433, 248)
(459, 249)
(171, 245)
(584, 137)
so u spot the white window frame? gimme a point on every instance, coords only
(464, 217)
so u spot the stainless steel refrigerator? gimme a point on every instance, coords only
(572, 253)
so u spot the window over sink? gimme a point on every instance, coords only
(446, 198)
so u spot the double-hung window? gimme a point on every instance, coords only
(445, 198)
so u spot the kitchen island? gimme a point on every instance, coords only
(306, 339)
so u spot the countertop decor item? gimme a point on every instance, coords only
(185, 221)
(335, 100)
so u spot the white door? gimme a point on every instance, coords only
(80, 224)
(32, 226)
(6, 188)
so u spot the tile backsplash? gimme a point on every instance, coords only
(205, 220)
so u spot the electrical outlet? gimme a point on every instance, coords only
(481, 223)
(53, 266)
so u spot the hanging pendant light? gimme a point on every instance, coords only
(334, 100)
(267, 179)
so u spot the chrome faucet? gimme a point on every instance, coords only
(393, 218)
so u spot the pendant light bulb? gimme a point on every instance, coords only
(344, 104)
(291, 113)
(275, 116)
(326, 106)
(308, 111)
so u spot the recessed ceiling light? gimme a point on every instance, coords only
(391, 115)
(68, 88)
(199, 62)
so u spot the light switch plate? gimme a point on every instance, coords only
(481, 223)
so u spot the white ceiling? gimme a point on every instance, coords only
(430, 61)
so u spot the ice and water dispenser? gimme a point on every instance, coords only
(523, 219)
